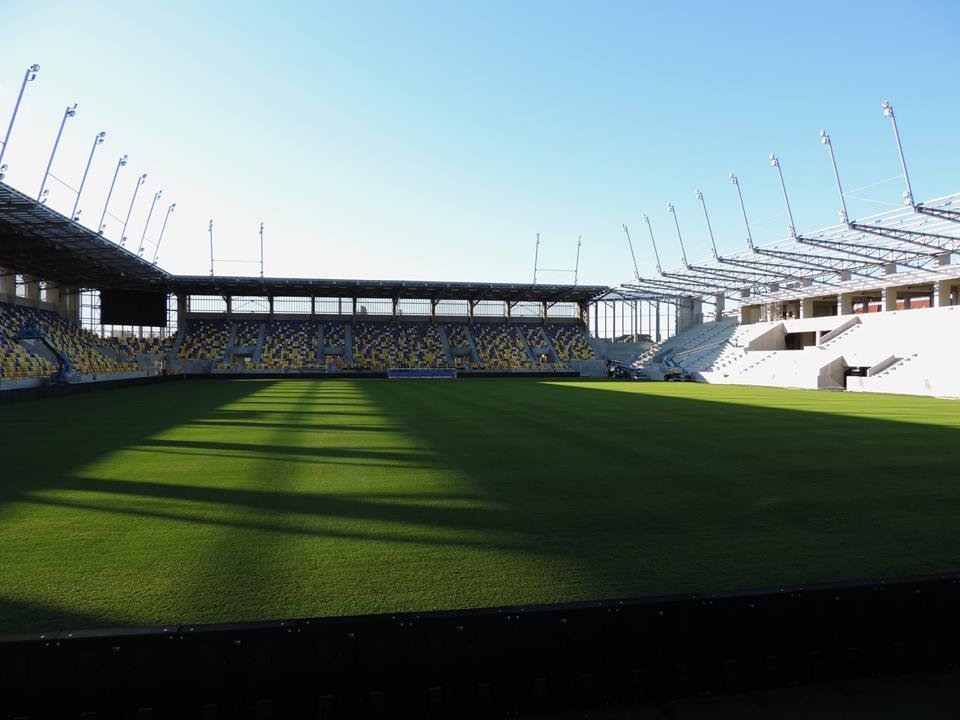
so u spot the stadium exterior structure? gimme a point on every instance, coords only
(821, 293)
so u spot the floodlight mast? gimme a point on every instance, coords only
(122, 162)
(743, 210)
(576, 266)
(943, 213)
(68, 113)
(676, 223)
(653, 242)
(261, 249)
(825, 140)
(143, 237)
(798, 260)
(636, 269)
(163, 229)
(29, 76)
(210, 230)
(536, 255)
(98, 140)
(775, 162)
(123, 233)
(930, 241)
(713, 242)
(888, 112)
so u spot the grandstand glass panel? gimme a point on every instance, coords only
(90, 310)
(291, 305)
(374, 306)
(563, 310)
(207, 304)
(453, 308)
(332, 305)
(249, 304)
(526, 309)
(490, 308)
(21, 285)
(413, 307)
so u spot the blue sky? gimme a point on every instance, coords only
(433, 140)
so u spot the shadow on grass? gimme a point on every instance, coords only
(651, 493)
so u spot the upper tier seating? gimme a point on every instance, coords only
(389, 345)
(569, 342)
(205, 340)
(248, 334)
(498, 347)
(289, 345)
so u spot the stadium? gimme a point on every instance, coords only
(320, 497)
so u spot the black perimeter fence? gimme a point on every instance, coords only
(490, 662)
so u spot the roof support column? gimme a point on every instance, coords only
(845, 304)
(8, 283)
(228, 299)
(749, 314)
(394, 302)
(806, 308)
(888, 299)
(32, 286)
(689, 313)
(719, 305)
(942, 290)
(270, 304)
(433, 310)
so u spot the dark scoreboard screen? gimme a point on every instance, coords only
(133, 307)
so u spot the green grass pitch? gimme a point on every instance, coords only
(209, 501)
